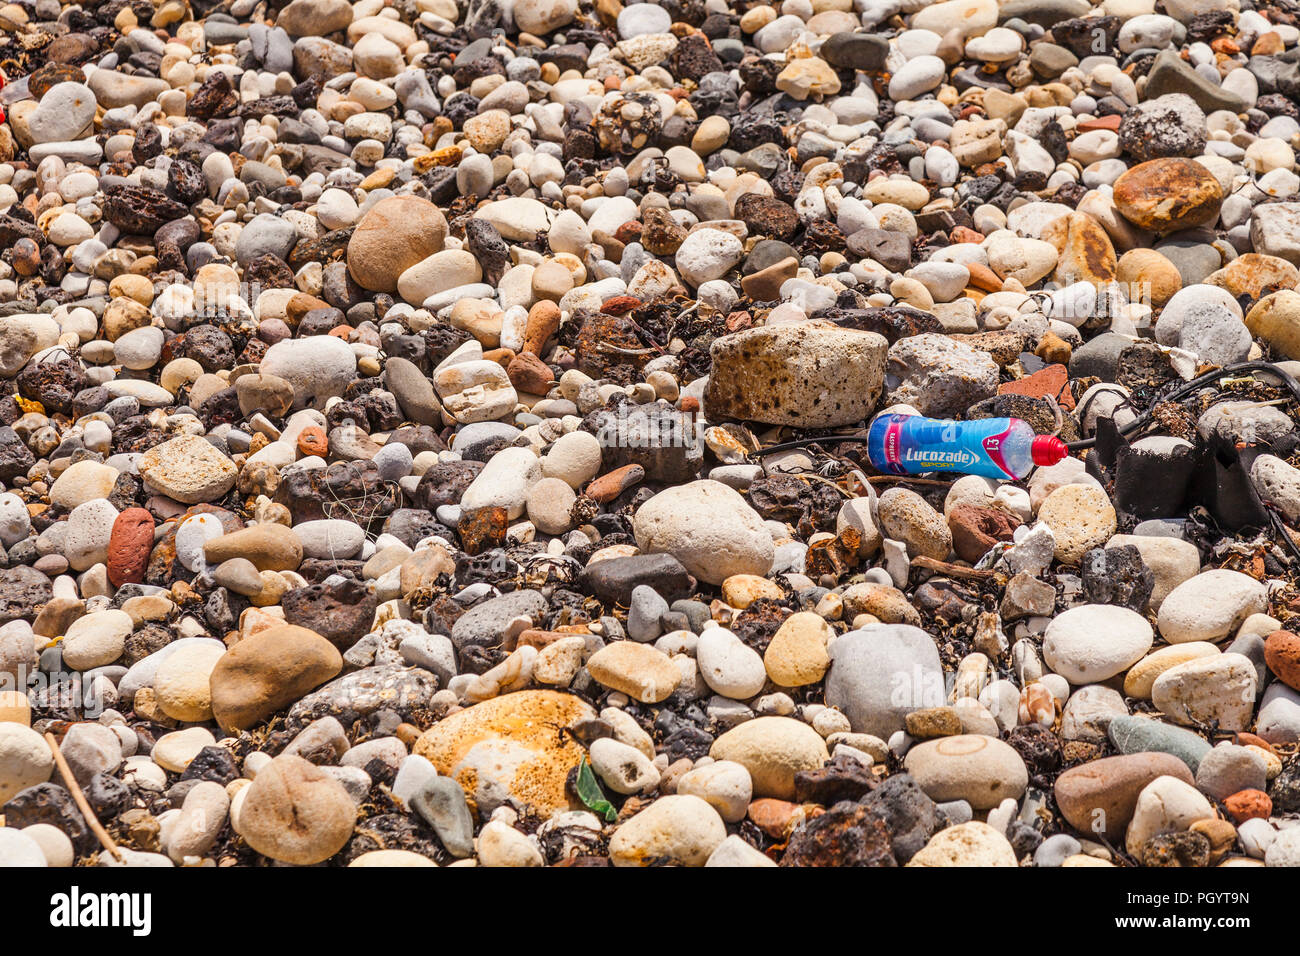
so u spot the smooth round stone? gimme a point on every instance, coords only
(25, 759)
(679, 829)
(1210, 691)
(981, 770)
(97, 639)
(394, 461)
(643, 18)
(1138, 681)
(181, 684)
(1132, 735)
(239, 575)
(724, 785)
(1100, 796)
(638, 670)
(797, 654)
(574, 458)
(19, 849)
(708, 527)
(623, 768)
(773, 750)
(864, 665)
(1228, 769)
(917, 76)
(1166, 804)
(296, 813)
(1094, 642)
(54, 843)
(330, 538)
(176, 750)
(1210, 606)
(728, 665)
(191, 537)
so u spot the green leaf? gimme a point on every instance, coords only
(589, 793)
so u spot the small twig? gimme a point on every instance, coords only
(810, 476)
(80, 798)
(956, 570)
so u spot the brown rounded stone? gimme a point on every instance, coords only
(312, 440)
(529, 374)
(1099, 797)
(512, 747)
(270, 546)
(1164, 195)
(1276, 319)
(1248, 805)
(1149, 276)
(267, 671)
(57, 616)
(1282, 654)
(394, 235)
(129, 545)
(543, 320)
(975, 530)
(296, 813)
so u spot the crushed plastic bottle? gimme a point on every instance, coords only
(1004, 448)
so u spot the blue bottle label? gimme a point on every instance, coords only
(907, 444)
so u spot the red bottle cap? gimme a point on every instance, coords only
(1047, 450)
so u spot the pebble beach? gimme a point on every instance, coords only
(433, 433)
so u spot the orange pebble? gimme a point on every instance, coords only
(1099, 122)
(774, 817)
(982, 277)
(963, 234)
(312, 441)
(1248, 805)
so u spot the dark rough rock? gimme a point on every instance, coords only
(847, 834)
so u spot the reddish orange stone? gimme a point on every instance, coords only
(341, 332)
(1100, 122)
(529, 374)
(1053, 380)
(1282, 654)
(1246, 739)
(964, 234)
(609, 486)
(628, 232)
(543, 321)
(982, 277)
(1248, 805)
(312, 441)
(129, 544)
(619, 305)
(774, 817)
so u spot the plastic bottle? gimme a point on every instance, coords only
(1004, 448)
